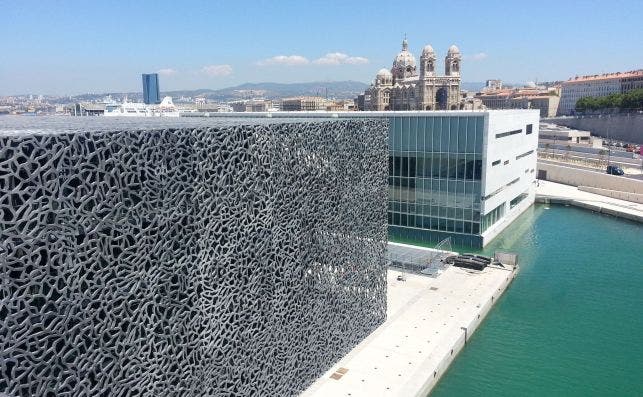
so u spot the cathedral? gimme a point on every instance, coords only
(402, 88)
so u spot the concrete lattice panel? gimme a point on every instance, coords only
(197, 260)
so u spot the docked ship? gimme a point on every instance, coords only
(137, 109)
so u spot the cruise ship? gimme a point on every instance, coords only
(137, 109)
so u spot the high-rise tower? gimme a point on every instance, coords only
(151, 93)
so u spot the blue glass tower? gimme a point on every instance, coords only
(151, 93)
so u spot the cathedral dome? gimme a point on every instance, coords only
(453, 50)
(404, 59)
(428, 50)
(384, 73)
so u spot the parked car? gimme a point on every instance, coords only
(614, 170)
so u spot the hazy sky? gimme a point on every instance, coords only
(71, 47)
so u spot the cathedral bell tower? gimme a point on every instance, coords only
(452, 62)
(427, 62)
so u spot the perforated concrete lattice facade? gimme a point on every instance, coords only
(187, 258)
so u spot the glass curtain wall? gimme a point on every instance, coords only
(492, 217)
(435, 167)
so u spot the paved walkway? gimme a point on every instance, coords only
(595, 202)
(427, 320)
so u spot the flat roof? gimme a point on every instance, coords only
(564, 132)
(552, 129)
(74, 124)
(605, 76)
(65, 124)
(366, 114)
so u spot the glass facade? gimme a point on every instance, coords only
(151, 93)
(517, 200)
(435, 169)
(492, 217)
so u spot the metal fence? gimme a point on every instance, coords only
(427, 261)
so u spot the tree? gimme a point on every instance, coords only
(582, 104)
(633, 99)
(629, 100)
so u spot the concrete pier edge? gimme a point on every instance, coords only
(544, 199)
(429, 364)
(460, 344)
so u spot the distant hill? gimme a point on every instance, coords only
(331, 89)
(336, 89)
(471, 86)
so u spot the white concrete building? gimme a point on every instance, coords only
(563, 135)
(509, 177)
(460, 174)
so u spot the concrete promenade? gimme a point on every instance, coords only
(557, 193)
(428, 322)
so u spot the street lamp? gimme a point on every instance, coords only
(609, 148)
(553, 147)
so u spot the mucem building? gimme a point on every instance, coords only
(463, 175)
(187, 257)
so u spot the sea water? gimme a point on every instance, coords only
(571, 323)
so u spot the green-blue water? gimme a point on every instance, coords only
(571, 324)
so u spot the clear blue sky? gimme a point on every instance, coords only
(70, 47)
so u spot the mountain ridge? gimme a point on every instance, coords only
(271, 90)
(346, 89)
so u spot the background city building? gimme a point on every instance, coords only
(544, 99)
(557, 134)
(596, 86)
(493, 84)
(306, 103)
(203, 106)
(337, 105)
(470, 101)
(252, 105)
(151, 91)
